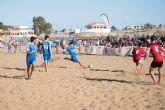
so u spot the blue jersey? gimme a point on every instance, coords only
(71, 51)
(46, 47)
(30, 58)
(74, 42)
(32, 48)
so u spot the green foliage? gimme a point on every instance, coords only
(2, 26)
(63, 30)
(148, 26)
(41, 26)
(113, 28)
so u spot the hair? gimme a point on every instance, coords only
(32, 39)
(70, 43)
(140, 44)
(153, 38)
(46, 37)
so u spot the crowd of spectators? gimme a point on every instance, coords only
(121, 41)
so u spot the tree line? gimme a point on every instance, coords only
(40, 26)
(146, 26)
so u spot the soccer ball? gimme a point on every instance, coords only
(90, 65)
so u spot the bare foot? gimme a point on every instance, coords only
(46, 70)
(27, 78)
(158, 82)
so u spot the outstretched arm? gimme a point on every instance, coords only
(162, 49)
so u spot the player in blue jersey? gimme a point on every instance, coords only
(71, 51)
(74, 42)
(46, 47)
(31, 56)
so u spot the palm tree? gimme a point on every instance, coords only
(113, 28)
(148, 26)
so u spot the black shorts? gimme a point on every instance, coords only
(136, 61)
(156, 64)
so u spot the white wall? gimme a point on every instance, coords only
(107, 30)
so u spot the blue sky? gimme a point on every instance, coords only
(77, 13)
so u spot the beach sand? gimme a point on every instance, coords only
(112, 83)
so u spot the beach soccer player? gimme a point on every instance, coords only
(137, 53)
(74, 42)
(31, 56)
(156, 51)
(46, 48)
(71, 51)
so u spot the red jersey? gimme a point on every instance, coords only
(137, 53)
(155, 50)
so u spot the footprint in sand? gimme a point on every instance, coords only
(161, 108)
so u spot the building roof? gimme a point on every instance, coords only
(96, 24)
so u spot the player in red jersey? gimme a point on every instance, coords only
(156, 51)
(137, 53)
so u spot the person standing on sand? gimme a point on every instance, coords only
(157, 62)
(46, 48)
(15, 44)
(9, 46)
(63, 45)
(137, 53)
(31, 56)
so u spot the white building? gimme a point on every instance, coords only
(94, 27)
(21, 31)
(133, 27)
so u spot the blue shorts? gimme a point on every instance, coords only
(74, 58)
(46, 57)
(30, 59)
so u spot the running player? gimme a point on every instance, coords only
(157, 62)
(31, 56)
(71, 51)
(74, 42)
(46, 47)
(137, 53)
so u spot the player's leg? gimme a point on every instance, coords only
(8, 50)
(141, 63)
(28, 71)
(82, 65)
(45, 57)
(137, 64)
(32, 68)
(152, 74)
(46, 65)
(28, 62)
(33, 60)
(49, 58)
(160, 75)
(74, 58)
(160, 64)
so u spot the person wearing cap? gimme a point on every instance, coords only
(156, 51)
(137, 53)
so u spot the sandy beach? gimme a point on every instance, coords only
(112, 83)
